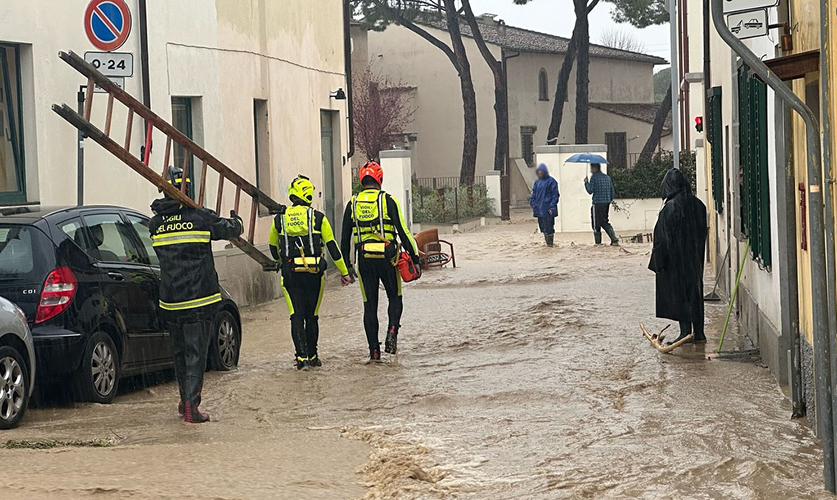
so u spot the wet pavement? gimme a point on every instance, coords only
(521, 374)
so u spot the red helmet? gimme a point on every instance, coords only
(372, 169)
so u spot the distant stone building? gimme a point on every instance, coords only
(533, 60)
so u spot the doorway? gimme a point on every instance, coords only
(328, 133)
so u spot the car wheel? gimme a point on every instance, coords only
(226, 343)
(98, 375)
(14, 388)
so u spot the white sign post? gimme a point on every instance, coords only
(732, 6)
(746, 25)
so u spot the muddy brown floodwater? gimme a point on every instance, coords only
(522, 374)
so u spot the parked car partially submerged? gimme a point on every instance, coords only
(87, 280)
(17, 364)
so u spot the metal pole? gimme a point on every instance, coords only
(825, 106)
(675, 85)
(822, 351)
(80, 148)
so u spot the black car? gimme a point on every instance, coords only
(87, 279)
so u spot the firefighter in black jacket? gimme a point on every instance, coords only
(189, 289)
(374, 222)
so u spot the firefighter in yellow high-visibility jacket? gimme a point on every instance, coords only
(298, 240)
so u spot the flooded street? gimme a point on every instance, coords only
(521, 374)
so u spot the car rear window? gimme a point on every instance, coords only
(25, 253)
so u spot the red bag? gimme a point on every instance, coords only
(408, 269)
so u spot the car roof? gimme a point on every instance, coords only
(26, 214)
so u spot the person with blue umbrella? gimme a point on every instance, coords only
(600, 186)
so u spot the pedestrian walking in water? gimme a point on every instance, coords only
(600, 186)
(678, 256)
(298, 239)
(374, 222)
(189, 289)
(544, 203)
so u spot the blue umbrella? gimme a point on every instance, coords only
(586, 158)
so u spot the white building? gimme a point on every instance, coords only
(236, 76)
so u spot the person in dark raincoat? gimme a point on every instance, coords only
(679, 255)
(544, 203)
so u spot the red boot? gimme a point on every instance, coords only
(193, 415)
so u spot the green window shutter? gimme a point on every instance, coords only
(715, 137)
(755, 185)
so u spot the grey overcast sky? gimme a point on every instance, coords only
(556, 17)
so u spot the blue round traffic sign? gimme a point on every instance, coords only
(107, 23)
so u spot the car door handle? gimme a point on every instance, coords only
(116, 276)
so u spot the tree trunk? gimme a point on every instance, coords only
(501, 113)
(469, 96)
(582, 86)
(657, 130)
(562, 89)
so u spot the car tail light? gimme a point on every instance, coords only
(59, 289)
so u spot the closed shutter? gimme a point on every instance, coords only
(755, 187)
(716, 139)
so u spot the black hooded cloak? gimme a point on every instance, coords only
(679, 251)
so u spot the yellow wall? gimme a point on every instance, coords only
(806, 36)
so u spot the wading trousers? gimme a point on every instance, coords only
(191, 333)
(304, 294)
(372, 272)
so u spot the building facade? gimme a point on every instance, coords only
(533, 61)
(251, 81)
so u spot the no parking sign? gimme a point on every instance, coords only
(107, 23)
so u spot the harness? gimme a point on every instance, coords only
(304, 263)
(381, 249)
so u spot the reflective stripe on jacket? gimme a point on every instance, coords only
(372, 214)
(181, 239)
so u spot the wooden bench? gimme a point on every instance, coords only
(430, 249)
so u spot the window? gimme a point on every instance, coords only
(715, 136)
(617, 149)
(75, 231)
(111, 241)
(755, 187)
(12, 178)
(262, 146)
(527, 144)
(181, 115)
(140, 226)
(543, 85)
(16, 252)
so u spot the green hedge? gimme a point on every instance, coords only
(451, 204)
(643, 180)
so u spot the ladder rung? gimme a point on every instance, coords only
(109, 116)
(166, 159)
(237, 197)
(88, 99)
(203, 184)
(128, 129)
(254, 206)
(149, 130)
(186, 173)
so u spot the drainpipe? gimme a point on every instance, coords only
(146, 78)
(347, 54)
(788, 266)
(675, 84)
(825, 107)
(505, 179)
(822, 351)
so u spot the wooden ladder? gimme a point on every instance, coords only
(173, 136)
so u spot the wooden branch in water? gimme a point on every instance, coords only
(657, 340)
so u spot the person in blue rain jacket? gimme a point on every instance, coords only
(544, 202)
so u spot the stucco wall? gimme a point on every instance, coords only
(637, 132)
(438, 121)
(226, 53)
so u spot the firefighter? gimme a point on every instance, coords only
(189, 290)
(374, 222)
(297, 241)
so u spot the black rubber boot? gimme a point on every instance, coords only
(597, 237)
(614, 241)
(301, 362)
(550, 239)
(391, 344)
(315, 361)
(375, 354)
